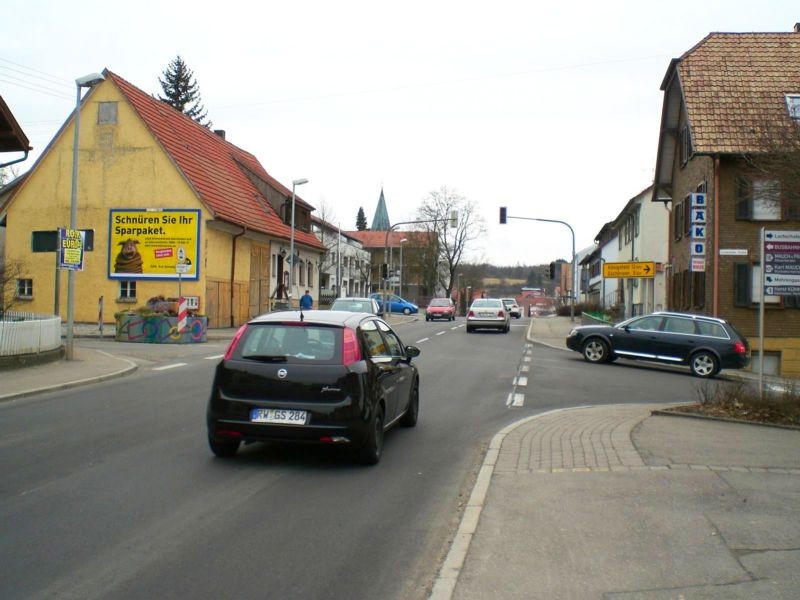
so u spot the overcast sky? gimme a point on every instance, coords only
(551, 109)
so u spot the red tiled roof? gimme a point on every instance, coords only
(210, 165)
(377, 239)
(734, 86)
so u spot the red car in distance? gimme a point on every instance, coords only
(440, 308)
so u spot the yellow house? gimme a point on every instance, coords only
(157, 194)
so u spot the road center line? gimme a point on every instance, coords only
(423, 340)
(165, 367)
(215, 357)
(520, 381)
(441, 333)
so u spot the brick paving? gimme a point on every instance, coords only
(589, 440)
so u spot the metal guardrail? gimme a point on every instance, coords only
(28, 333)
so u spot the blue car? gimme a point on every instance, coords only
(396, 304)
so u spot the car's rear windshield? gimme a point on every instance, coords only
(291, 343)
(440, 302)
(352, 305)
(487, 303)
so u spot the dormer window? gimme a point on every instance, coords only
(793, 104)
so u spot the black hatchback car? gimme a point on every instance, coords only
(328, 377)
(704, 344)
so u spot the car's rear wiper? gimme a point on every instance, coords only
(266, 357)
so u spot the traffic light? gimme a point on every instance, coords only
(552, 271)
(502, 215)
(384, 271)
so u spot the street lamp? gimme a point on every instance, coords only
(87, 81)
(295, 183)
(403, 241)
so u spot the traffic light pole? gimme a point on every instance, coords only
(504, 216)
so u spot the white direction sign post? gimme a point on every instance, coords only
(781, 263)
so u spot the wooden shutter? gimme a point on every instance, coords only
(741, 284)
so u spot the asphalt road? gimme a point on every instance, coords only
(110, 490)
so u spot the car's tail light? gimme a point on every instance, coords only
(234, 342)
(351, 352)
(227, 433)
(739, 348)
(501, 314)
(471, 313)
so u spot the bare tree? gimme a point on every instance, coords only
(10, 272)
(778, 159)
(455, 223)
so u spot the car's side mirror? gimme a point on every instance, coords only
(412, 351)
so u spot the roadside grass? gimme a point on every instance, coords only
(741, 400)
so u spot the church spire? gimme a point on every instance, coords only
(380, 222)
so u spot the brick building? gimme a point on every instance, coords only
(727, 101)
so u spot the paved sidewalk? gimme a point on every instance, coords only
(611, 502)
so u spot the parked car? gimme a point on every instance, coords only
(440, 308)
(367, 305)
(326, 377)
(396, 304)
(704, 344)
(488, 313)
(512, 307)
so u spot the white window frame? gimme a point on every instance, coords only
(24, 288)
(127, 290)
(766, 202)
(793, 106)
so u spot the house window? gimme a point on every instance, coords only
(758, 199)
(747, 286)
(107, 113)
(310, 269)
(793, 104)
(127, 291)
(302, 274)
(24, 288)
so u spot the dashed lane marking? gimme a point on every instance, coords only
(515, 399)
(520, 381)
(441, 333)
(422, 340)
(215, 357)
(524, 369)
(165, 367)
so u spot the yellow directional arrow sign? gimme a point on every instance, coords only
(629, 269)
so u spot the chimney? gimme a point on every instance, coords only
(797, 27)
(220, 133)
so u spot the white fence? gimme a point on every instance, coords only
(27, 333)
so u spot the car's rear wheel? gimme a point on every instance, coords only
(406, 311)
(409, 418)
(469, 329)
(703, 364)
(223, 448)
(596, 350)
(370, 452)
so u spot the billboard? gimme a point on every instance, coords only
(147, 243)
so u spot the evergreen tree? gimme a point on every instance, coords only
(181, 91)
(361, 219)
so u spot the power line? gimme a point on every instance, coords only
(53, 78)
(429, 84)
(30, 86)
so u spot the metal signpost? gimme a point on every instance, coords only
(780, 276)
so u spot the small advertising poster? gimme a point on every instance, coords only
(151, 243)
(71, 243)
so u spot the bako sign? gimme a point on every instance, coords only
(698, 232)
(147, 243)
